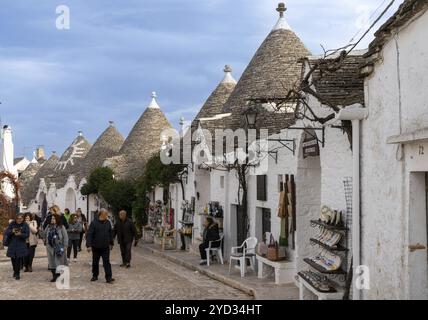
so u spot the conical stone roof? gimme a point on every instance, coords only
(30, 187)
(142, 142)
(213, 106)
(29, 173)
(70, 160)
(107, 145)
(273, 71)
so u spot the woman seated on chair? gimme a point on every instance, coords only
(211, 233)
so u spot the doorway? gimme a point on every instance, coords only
(308, 203)
(418, 234)
(240, 226)
(70, 200)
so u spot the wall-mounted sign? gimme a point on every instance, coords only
(310, 144)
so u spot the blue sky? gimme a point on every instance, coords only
(56, 82)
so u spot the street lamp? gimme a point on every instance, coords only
(251, 114)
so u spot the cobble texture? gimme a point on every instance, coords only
(150, 278)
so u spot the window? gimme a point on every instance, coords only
(262, 187)
(222, 182)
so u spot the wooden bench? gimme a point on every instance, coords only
(284, 270)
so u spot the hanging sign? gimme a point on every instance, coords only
(310, 144)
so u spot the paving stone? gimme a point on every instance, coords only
(150, 277)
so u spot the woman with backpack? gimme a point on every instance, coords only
(15, 239)
(75, 227)
(56, 240)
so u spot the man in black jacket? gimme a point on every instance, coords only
(211, 233)
(125, 231)
(99, 240)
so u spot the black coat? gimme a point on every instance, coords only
(125, 231)
(17, 246)
(211, 233)
(99, 235)
(48, 221)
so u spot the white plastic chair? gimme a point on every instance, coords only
(246, 251)
(216, 250)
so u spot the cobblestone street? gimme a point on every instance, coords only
(150, 277)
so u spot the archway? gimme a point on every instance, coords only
(308, 203)
(70, 200)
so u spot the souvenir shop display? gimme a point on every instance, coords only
(186, 222)
(160, 228)
(287, 211)
(155, 221)
(215, 210)
(155, 215)
(272, 250)
(331, 257)
(321, 283)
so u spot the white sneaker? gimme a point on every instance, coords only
(74, 259)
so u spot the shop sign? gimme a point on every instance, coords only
(310, 144)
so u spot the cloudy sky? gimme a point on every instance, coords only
(56, 82)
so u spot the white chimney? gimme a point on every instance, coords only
(7, 152)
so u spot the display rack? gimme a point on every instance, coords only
(323, 277)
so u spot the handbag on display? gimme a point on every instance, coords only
(262, 249)
(273, 250)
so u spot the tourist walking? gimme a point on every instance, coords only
(126, 233)
(74, 229)
(99, 240)
(82, 218)
(211, 233)
(56, 240)
(32, 241)
(39, 223)
(67, 214)
(15, 239)
(52, 211)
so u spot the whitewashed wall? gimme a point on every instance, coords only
(384, 178)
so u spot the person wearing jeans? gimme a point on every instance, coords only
(99, 240)
(15, 238)
(75, 227)
(32, 241)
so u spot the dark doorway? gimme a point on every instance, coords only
(240, 226)
(266, 221)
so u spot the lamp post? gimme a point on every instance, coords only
(251, 114)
